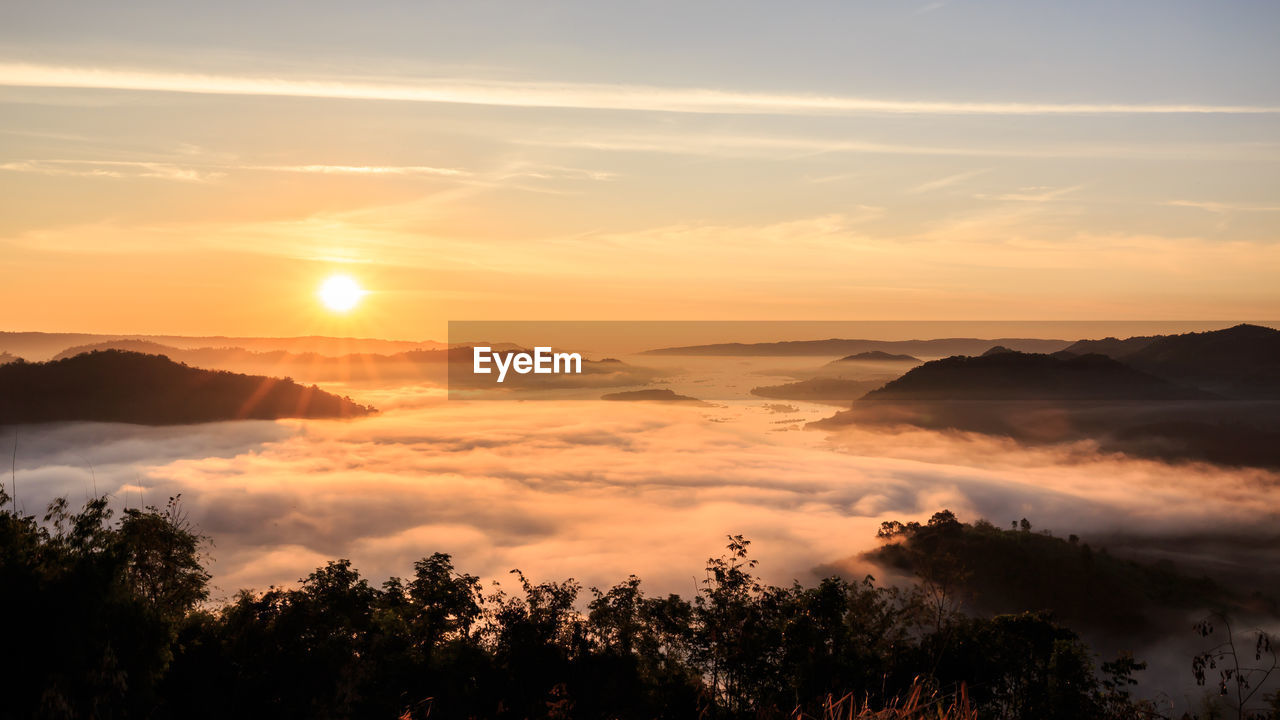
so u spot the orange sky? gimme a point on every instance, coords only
(190, 176)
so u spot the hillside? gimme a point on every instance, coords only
(1111, 347)
(878, 356)
(1241, 362)
(1045, 399)
(43, 346)
(1025, 376)
(995, 571)
(423, 364)
(120, 386)
(843, 348)
(820, 389)
(654, 395)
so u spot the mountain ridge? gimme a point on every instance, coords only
(131, 387)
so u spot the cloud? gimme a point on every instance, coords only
(360, 169)
(1033, 194)
(597, 491)
(566, 95)
(947, 181)
(112, 169)
(1222, 207)
(783, 147)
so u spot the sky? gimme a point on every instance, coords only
(202, 169)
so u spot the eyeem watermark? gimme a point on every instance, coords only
(541, 362)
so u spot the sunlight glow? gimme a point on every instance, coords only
(340, 293)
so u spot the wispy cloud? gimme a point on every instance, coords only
(1222, 207)
(361, 169)
(791, 147)
(111, 169)
(1033, 194)
(566, 95)
(945, 181)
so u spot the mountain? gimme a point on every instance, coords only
(655, 395)
(841, 348)
(1111, 347)
(138, 345)
(6, 358)
(1242, 361)
(819, 389)
(877, 356)
(999, 349)
(1000, 571)
(43, 346)
(420, 364)
(437, 365)
(1027, 376)
(1044, 399)
(120, 386)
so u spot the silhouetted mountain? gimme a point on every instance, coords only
(119, 386)
(1047, 399)
(430, 365)
(655, 395)
(1111, 347)
(1242, 361)
(7, 358)
(1000, 571)
(998, 349)
(1026, 376)
(819, 389)
(877, 356)
(146, 347)
(421, 364)
(41, 346)
(838, 347)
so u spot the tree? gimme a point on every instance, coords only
(1238, 681)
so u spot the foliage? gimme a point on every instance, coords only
(114, 625)
(93, 607)
(1239, 679)
(987, 569)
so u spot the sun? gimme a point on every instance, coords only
(340, 293)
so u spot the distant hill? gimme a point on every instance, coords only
(841, 348)
(877, 356)
(1043, 399)
(819, 389)
(1111, 347)
(1027, 376)
(997, 570)
(7, 358)
(421, 364)
(998, 349)
(655, 395)
(43, 346)
(120, 386)
(437, 365)
(146, 347)
(1242, 361)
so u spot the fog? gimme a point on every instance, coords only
(597, 491)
